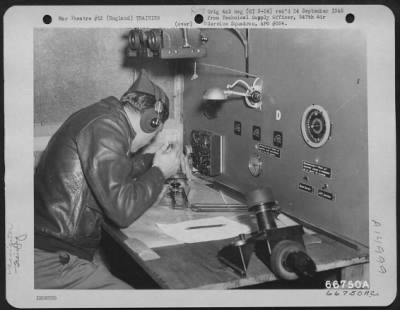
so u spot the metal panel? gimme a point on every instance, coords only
(299, 68)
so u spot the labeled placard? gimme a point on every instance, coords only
(306, 188)
(269, 150)
(326, 195)
(317, 169)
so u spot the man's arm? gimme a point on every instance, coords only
(103, 148)
(141, 163)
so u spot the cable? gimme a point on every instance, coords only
(227, 68)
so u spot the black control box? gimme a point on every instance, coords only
(207, 152)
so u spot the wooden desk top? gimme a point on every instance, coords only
(196, 266)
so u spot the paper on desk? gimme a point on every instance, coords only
(150, 235)
(181, 231)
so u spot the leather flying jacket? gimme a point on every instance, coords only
(86, 173)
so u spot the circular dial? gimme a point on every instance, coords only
(255, 165)
(315, 126)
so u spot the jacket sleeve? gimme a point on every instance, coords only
(103, 146)
(141, 163)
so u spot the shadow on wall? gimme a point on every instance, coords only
(74, 68)
(210, 108)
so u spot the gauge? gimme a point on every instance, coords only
(255, 165)
(315, 126)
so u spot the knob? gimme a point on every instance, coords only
(255, 96)
(154, 40)
(134, 39)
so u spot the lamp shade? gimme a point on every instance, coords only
(214, 94)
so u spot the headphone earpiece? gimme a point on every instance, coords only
(149, 121)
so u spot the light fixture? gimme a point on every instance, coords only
(252, 93)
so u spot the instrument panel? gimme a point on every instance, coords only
(309, 143)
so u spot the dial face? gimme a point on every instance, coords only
(315, 126)
(255, 165)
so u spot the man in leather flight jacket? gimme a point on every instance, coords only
(87, 173)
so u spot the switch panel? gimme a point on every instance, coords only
(237, 128)
(256, 133)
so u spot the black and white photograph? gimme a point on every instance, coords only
(227, 153)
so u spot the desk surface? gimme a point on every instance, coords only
(196, 266)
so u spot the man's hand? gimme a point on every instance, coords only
(163, 137)
(152, 148)
(168, 159)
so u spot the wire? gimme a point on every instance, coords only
(245, 42)
(242, 38)
(227, 68)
